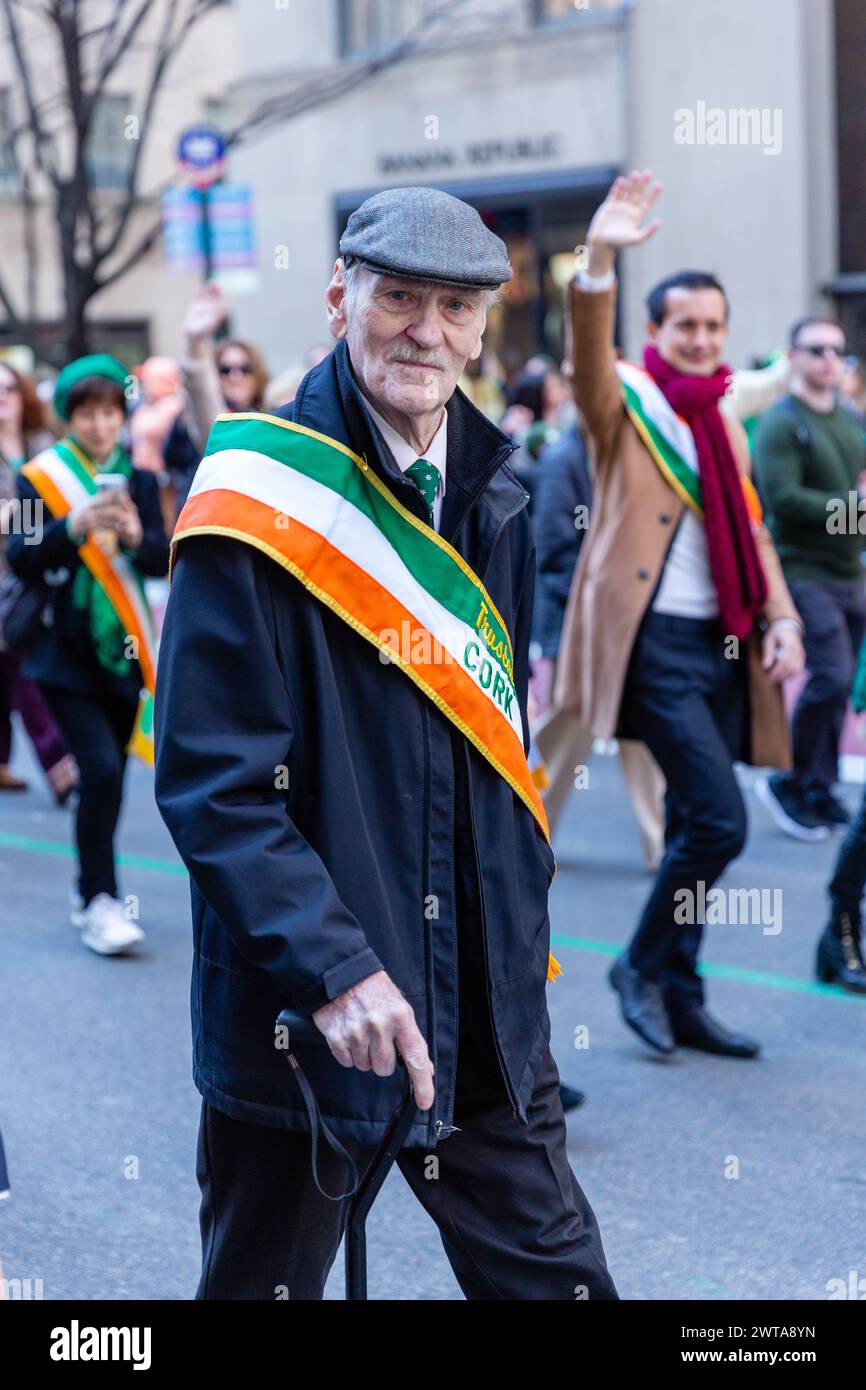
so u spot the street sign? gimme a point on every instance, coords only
(183, 230)
(210, 232)
(201, 150)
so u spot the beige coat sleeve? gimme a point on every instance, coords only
(595, 381)
(203, 393)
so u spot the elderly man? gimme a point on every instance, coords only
(341, 762)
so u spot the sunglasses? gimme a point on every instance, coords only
(227, 369)
(821, 350)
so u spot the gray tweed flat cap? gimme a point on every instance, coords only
(425, 234)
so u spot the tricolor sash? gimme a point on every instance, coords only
(64, 478)
(669, 440)
(318, 510)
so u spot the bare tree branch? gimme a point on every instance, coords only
(11, 312)
(141, 248)
(25, 75)
(167, 45)
(112, 56)
(31, 244)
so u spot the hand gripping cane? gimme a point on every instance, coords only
(365, 1188)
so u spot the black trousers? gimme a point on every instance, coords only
(97, 730)
(512, 1217)
(834, 616)
(686, 700)
(848, 883)
(513, 1220)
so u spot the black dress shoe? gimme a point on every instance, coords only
(570, 1098)
(642, 1005)
(827, 807)
(840, 954)
(696, 1028)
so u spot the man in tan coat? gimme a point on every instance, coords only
(679, 628)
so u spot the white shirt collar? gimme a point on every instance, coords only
(405, 455)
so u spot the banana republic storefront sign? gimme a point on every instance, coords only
(474, 154)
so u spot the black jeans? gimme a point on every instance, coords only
(834, 616)
(849, 876)
(97, 730)
(686, 700)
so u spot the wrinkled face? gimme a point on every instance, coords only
(11, 404)
(818, 356)
(408, 340)
(97, 425)
(694, 330)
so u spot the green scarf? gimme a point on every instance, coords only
(107, 632)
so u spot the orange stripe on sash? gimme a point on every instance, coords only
(100, 567)
(370, 609)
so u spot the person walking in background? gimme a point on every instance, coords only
(159, 431)
(22, 434)
(852, 390)
(562, 508)
(95, 663)
(677, 573)
(539, 407)
(809, 455)
(840, 959)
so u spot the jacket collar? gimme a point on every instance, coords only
(329, 400)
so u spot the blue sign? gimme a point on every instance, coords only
(230, 228)
(200, 147)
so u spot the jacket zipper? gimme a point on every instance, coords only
(518, 1114)
(441, 1129)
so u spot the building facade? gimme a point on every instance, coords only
(752, 115)
(527, 109)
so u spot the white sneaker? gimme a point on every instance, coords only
(106, 928)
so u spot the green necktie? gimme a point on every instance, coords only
(426, 477)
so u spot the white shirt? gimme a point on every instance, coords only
(686, 588)
(405, 455)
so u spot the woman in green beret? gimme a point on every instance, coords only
(100, 535)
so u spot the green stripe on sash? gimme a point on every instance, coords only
(683, 479)
(83, 475)
(429, 559)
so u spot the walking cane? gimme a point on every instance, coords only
(365, 1189)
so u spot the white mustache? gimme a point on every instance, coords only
(416, 361)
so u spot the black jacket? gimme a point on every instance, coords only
(297, 894)
(64, 656)
(562, 484)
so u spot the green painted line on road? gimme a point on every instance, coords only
(765, 978)
(56, 847)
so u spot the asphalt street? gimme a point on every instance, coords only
(710, 1178)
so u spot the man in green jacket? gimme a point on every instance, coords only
(809, 455)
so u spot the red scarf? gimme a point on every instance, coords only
(734, 561)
